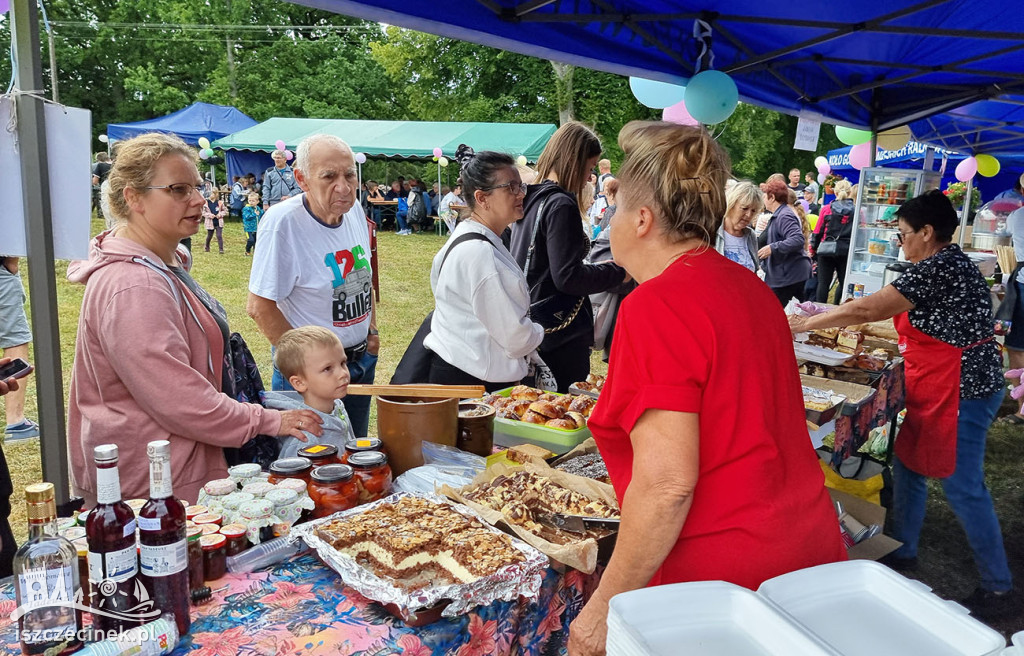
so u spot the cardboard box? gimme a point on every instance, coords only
(866, 513)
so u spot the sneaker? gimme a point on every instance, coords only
(988, 605)
(22, 431)
(899, 564)
(404, 232)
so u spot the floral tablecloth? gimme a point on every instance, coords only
(300, 607)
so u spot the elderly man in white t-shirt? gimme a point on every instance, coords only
(312, 265)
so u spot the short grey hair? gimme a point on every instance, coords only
(743, 192)
(277, 153)
(302, 152)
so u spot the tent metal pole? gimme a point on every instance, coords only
(35, 185)
(929, 158)
(965, 210)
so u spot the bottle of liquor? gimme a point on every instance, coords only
(46, 581)
(113, 557)
(163, 553)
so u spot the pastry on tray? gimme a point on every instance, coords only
(418, 542)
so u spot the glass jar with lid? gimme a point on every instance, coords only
(286, 510)
(215, 556)
(237, 542)
(373, 475)
(361, 445)
(195, 558)
(290, 468)
(244, 473)
(256, 516)
(213, 493)
(258, 489)
(232, 503)
(333, 489)
(320, 454)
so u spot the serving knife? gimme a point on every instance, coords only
(577, 523)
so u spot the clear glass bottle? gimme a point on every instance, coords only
(46, 581)
(113, 556)
(163, 550)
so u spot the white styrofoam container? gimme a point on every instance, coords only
(710, 618)
(862, 607)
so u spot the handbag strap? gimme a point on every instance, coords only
(469, 236)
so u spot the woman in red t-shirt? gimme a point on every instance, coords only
(701, 419)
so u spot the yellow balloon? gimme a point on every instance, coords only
(988, 166)
(895, 138)
(204, 142)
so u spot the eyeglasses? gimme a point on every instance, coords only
(900, 235)
(515, 188)
(181, 191)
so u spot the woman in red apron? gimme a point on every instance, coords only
(943, 314)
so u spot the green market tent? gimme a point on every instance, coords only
(384, 139)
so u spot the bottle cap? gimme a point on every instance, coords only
(39, 492)
(105, 453)
(158, 449)
(39, 502)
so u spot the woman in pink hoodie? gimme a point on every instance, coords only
(149, 358)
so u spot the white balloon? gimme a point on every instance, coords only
(104, 138)
(819, 160)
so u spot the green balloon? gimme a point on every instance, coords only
(852, 137)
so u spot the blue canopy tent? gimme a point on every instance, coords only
(871, 65)
(195, 121)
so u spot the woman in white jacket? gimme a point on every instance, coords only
(481, 333)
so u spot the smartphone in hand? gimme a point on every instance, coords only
(16, 368)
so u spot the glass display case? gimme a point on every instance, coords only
(874, 243)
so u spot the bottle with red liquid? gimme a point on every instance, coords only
(163, 552)
(113, 557)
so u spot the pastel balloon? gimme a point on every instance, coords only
(819, 160)
(967, 169)
(204, 142)
(895, 138)
(677, 114)
(711, 96)
(521, 160)
(821, 178)
(824, 168)
(442, 161)
(852, 137)
(4, 6)
(654, 94)
(438, 152)
(280, 144)
(988, 166)
(360, 158)
(104, 138)
(860, 156)
(288, 155)
(204, 154)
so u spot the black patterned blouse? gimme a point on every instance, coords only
(952, 304)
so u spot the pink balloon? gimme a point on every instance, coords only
(825, 169)
(288, 155)
(4, 6)
(438, 152)
(677, 114)
(280, 144)
(966, 169)
(860, 155)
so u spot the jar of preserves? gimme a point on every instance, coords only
(192, 511)
(232, 503)
(195, 558)
(208, 518)
(257, 489)
(320, 454)
(237, 542)
(360, 445)
(213, 493)
(304, 503)
(244, 473)
(286, 510)
(333, 489)
(373, 475)
(290, 468)
(256, 515)
(208, 529)
(215, 556)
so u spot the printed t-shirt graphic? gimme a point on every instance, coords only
(353, 282)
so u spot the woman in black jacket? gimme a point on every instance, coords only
(832, 245)
(551, 245)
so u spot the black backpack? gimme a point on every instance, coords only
(417, 209)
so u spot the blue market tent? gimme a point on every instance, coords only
(912, 156)
(872, 65)
(988, 126)
(195, 121)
